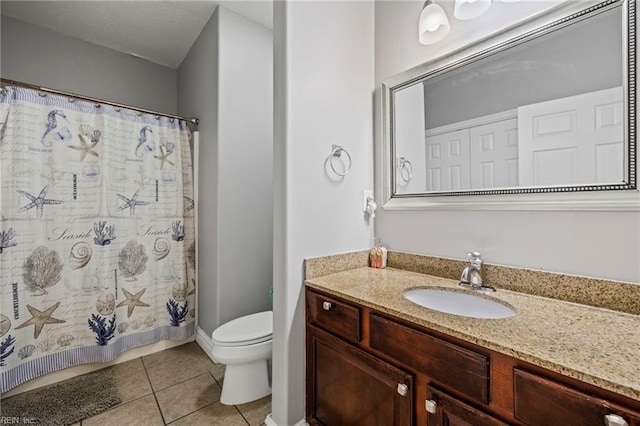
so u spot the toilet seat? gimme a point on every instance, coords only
(244, 331)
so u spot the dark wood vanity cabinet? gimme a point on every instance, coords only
(369, 368)
(350, 387)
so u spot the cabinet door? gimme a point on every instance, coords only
(346, 386)
(445, 410)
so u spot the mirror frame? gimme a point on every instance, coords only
(624, 196)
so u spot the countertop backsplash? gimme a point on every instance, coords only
(608, 294)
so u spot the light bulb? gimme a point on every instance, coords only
(434, 24)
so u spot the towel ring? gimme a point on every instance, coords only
(336, 151)
(406, 169)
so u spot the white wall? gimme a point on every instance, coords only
(323, 96)
(227, 81)
(596, 244)
(410, 140)
(245, 166)
(40, 56)
(198, 88)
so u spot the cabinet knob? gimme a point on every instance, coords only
(327, 305)
(431, 406)
(614, 420)
(403, 389)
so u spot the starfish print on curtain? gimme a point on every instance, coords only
(132, 300)
(38, 202)
(40, 318)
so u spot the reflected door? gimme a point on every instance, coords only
(448, 161)
(494, 155)
(572, 141)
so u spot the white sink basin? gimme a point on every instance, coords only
(458, 303)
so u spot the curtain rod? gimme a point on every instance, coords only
(96, 100)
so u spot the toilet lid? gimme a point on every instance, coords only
(245, 330)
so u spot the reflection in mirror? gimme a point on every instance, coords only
(545, 113)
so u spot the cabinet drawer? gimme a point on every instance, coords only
(461, 369)
(334, 316)
(540, 401)
(447, 411)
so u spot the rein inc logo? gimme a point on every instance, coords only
(7, 420)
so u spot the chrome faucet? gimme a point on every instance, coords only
(472, 274)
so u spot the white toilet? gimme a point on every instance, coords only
(244, 346)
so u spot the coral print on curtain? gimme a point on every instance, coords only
(96, 233)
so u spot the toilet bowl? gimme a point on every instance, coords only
(244, 346)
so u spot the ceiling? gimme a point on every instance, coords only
(160, 31)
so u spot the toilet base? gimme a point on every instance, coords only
(245, 382)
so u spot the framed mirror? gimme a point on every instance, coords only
(542, 115)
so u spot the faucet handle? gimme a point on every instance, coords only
(474, 255)
(475, 258)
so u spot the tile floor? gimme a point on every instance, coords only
(178, 386)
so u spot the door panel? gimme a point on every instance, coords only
(448, 161)
(574, 140)
(494, 155)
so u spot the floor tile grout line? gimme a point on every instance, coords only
(122, 404)
(115, 407)
(163, 362)
(242, 415)
(153, 392)
(205, 370)
(174, 349)
(216, 380)
(188, 414)
(180, 382)
(196, 410)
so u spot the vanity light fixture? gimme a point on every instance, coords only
(470, 9)
(434, 24)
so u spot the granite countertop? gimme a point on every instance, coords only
(594, 345)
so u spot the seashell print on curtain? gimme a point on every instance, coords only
(96, 233)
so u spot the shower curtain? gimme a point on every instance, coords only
(97, 242)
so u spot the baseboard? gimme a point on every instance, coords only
(204, 340)
(270, 422)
